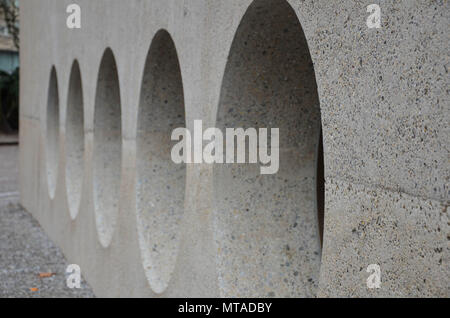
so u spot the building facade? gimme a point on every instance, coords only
(99, 103)
(9, 54)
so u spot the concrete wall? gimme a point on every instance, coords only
(94, 144)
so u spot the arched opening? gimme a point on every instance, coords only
(74, 140)
(320, 186)
(52, 133)
(107, 150)
(267, 225)
(160, 184)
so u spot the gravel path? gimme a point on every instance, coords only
(25, 250)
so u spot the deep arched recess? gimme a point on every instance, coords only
(160, 183)
(107, 150)
(52, 133)
(74, 140)
(266, 225)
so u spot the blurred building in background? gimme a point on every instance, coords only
(9, 66)
(9, 53)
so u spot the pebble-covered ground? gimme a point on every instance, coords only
(31, 265)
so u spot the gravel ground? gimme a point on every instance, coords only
(25, 250)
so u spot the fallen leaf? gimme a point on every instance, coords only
(34, 289)
(46, 275)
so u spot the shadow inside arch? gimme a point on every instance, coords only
(266, 226)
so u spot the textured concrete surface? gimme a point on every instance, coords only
(75, 141)
(266, 225)
(160, 183)
(383, 96)
(9, 174)
(52, 133)
(407, 236)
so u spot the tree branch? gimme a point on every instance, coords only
(10, 11)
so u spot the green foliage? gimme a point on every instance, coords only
(9, 101)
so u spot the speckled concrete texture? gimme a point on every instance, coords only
(266, 225)
(406, 236)
(225, 230)
(160, 183)
(52, 132)
(75, 141)
(107, 148)
(9, 173)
